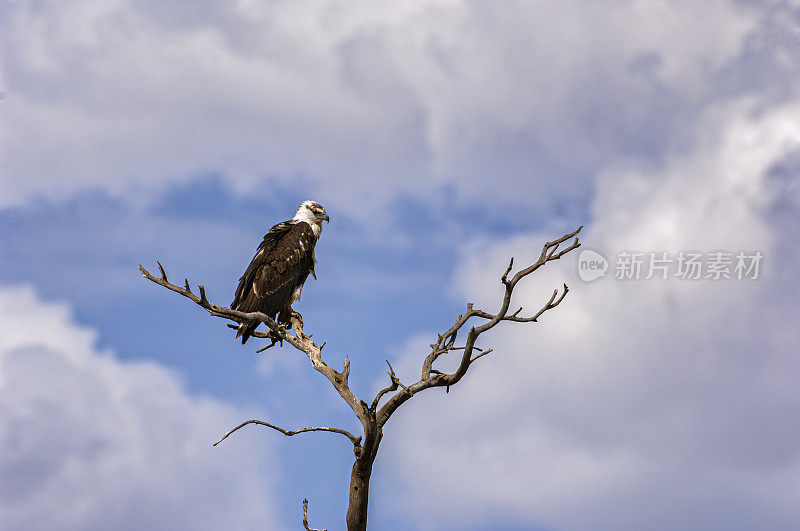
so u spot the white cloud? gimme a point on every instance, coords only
(91, 442)
(626, 419)
(646, 404)
(366, 103)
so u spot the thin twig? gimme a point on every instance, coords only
(305, 518)
(355, 440)
(482, 354)
(393, 386)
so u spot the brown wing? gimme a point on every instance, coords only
(283, 261)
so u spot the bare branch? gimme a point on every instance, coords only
(339, 380)
(355, 440)
(482, 354)
(305, 518)
(346, 368)
(394, 377)
(446, 342)
(547, 254)
(299, 340)
(462, 348)
(504, 278)
(395, 383)
(163, 273)
(552, 303)
(214, 309)
(273, 341)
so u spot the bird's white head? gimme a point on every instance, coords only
(312, 213)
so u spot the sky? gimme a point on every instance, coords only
(442, 138)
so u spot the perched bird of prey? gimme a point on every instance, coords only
(274, 279)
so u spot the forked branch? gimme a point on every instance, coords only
(445, 342)
(395, 383)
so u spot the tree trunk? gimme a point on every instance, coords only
(359, 477)
(359, 494)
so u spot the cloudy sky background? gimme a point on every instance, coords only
(443, 137)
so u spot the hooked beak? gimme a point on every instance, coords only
(327, 218)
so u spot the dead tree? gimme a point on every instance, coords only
(373, 416)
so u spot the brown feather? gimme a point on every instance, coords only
(283, 261)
